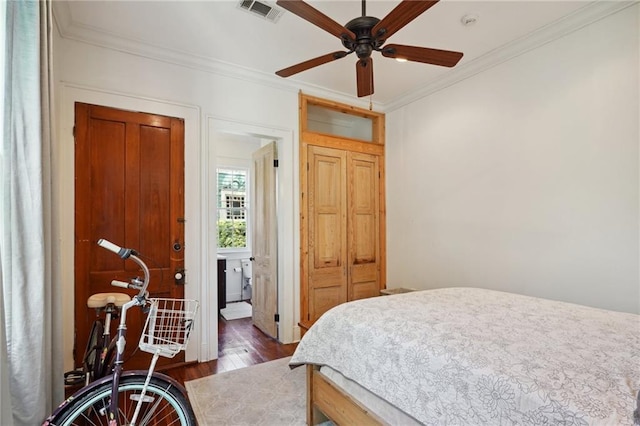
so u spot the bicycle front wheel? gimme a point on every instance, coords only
(162, 404)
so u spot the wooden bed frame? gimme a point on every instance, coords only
(326, 401)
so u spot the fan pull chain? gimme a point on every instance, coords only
(371, 102)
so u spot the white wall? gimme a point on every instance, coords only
(92, 74)
(524, 178)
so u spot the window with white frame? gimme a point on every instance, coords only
(233, 207)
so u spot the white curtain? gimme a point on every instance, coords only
(30, 334)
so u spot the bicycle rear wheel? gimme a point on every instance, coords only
(91, 359)
(163, 404)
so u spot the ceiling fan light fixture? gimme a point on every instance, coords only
(402, 59)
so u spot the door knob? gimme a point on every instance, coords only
(179, 276)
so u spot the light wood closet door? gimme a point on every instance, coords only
(342, 206)
(363, 225)
(327, 212)
(344, 230)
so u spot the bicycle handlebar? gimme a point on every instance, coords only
(124, 253)
(109, 245)
(117, 283)
(127, 253)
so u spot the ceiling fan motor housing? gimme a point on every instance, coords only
(365, 42)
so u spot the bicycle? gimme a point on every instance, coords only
(99, 354)
(139, 397)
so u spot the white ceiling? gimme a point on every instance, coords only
(218, 32)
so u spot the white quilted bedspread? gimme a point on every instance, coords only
(465, 356)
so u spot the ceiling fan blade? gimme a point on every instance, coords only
(303, 66)
(445, 58)
(403, 13)
(364, 75)
(309, 13)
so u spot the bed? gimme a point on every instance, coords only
(468, 356)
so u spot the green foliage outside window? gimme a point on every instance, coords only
(232, 208)
(232, 234)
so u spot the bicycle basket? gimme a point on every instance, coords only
(168, 326)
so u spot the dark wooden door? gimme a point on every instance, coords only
(129, 189)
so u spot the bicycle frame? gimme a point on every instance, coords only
(139, 300)
(107, 341)
(115, 378)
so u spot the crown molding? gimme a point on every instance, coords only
(584, 16)
(68, 29)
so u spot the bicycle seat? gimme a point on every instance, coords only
(100, 300)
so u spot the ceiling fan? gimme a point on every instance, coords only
(365, 34)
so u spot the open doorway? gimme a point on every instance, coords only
(238, 184)
(234, 213)
(246, 222)
(286, 226)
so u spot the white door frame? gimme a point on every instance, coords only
(288, 237)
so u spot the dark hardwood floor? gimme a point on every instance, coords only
(240, 344)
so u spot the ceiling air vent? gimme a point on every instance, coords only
(262, 9)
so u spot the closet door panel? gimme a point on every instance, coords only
(363, 290)
(363, 225)
(327, 214)
(323, 299)
(364, 281)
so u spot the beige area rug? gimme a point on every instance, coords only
(268, 394)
